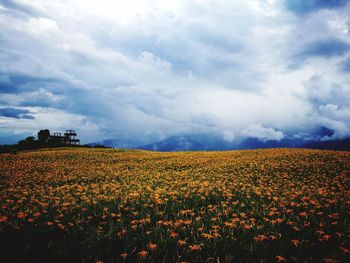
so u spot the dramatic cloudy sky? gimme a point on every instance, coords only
(141, 71)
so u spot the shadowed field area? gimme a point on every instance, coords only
(91, 205)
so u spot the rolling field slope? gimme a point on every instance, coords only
(107, 205)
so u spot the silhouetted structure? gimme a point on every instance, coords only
(68, 138)
(57, 139)
(45, 140)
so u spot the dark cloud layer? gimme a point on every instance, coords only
(15, 113)
(324, 48)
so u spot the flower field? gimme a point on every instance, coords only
(107, 205)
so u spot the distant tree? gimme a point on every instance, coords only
(28, 143)
(22, 142)
(43, 136)
(27, 140)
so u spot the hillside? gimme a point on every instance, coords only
(215, 142)
(110, 205)
(340, 145)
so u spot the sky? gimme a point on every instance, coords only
(141, 71)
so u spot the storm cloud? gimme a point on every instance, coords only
(141, 71)
(15, 113)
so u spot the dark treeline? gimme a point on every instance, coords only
(46, 140)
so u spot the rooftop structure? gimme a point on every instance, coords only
(68, 138)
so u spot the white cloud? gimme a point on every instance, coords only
(153, 68)
(262, 133)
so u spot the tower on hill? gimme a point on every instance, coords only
(68, 138)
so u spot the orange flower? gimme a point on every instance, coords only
(207, 236)
(260, 238)
(325, 238)
(142, 253)
(21, 215)
(242, 214)
(37, 214)
(195, 247)
(304, 214)
(216, 234)
(3, 219)
(247, 227)
(99, 261)
(173, 235)
(181, 242)
(272, 237)
(152, 246)
(320, 232)
(279, 220)
(295, 228)
(280, 259)
(295, 242)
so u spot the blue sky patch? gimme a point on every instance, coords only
(302, 7)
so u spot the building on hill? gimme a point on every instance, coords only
(57, 138)
(68, 138)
